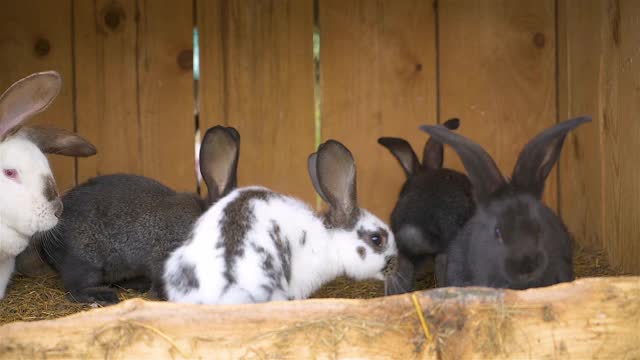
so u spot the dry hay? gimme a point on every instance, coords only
(44, 297)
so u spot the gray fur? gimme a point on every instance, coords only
(112, 226)
(49, 190)
(120, 229)
(236, 222)
(283, 248)
(185, 278)
(513, 240)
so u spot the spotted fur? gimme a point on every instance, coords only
(286, 250)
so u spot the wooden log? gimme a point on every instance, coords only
(589, 318)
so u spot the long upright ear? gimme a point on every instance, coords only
(403, 152)
(219, 155)
(58, 141)
(433, 154)
(539, 156)
(312, 164)
(482, 170)
(336, 178)
(27, 97)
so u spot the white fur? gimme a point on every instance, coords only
(24, 209)
(325, 255)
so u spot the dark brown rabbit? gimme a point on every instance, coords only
(513, 240)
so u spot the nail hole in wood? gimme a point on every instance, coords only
(185, 59)
(42, 47)
(539, 40)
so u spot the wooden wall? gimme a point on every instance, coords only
(507, 69)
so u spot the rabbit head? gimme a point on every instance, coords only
(366, 244)
(29, 199)
(523, 235)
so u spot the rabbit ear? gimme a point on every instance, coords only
(219, 155)
(539, 156)
(312, 164)
(336, 179)
(403, 152)
(27, 97)
(58, 141)
(433, 154)
(482, 170)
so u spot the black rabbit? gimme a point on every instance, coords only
(434, 203)
(513, 240)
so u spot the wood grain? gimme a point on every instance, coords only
(166, 93)
(378, 78)
(579, 42)
(620, 92)
(590, 318)
(257, 75)
(35, 35)
(497, 74)
(107, 86)
(599, 188)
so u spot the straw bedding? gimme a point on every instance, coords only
(30, 299)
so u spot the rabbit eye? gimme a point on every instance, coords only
(11, 173)
(376, 239)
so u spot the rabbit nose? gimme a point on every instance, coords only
(58, 208)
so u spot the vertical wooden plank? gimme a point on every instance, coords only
(165, 91)
(497, 73)
(579, 45)
(620, 94)
(35, 35)
(599, 76)
(256, 74)
(378, 78)
(106, 85)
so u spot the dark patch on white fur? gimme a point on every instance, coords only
(273, 274)
(283, 248)
(184, 279)
(49, 188)
(362, 251)
(337, 220)
(237, 220)
(365, 235)
(303, 238)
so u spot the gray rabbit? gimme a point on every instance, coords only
(433, 205)
(513, 240)
(119, 229)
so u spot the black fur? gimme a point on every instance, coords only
(513, 240)
(433, 205)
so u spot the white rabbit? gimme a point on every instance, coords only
(255, 245)
(29, 201)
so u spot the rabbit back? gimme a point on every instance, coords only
(241, 251)
(118, 227)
